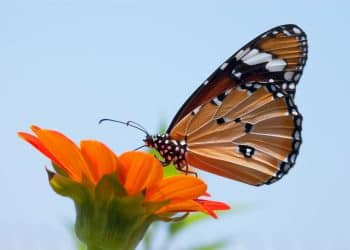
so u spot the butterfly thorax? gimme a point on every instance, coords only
(173, 151)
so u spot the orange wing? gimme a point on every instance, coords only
(276, 56)
(251, 133)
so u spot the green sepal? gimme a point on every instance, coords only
(108, 187)
(114, 220)
(67, 187)
(58, 169)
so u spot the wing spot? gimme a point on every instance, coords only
(297, 135)
(223, 66)
(247, 151)
(279, 94)
(288, 75)
(286, 32)
(291, 85)
(293, 157)
(237, 74)
(222, 96)
(220, 120)
(297, 77)
(216, 101)
(196, 110)
(298, 122)
(294, 112)
(248, 127)
(296, 30)
(255, 57)
(296, 145)
(237, 120)
(276, 65)
(241, 53)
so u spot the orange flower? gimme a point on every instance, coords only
(138, 172)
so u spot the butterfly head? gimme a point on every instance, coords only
(158, 141)
(150, 140)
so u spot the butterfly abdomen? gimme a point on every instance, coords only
(173, 151)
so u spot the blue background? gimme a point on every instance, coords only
(66, 64)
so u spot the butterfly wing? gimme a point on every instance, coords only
(250, 133)
(277, 56)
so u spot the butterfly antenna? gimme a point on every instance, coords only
(139, 147)
(137, 125)
(128, 123)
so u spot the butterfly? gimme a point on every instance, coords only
(242, 122)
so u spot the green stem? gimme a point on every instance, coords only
(101, 248)
(94, 248)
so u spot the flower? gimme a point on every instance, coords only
(116, 198)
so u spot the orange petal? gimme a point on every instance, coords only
(139, 170)
(182, 206)
(100, 158)
(181, 186)
(41, 147)
(63, 149)
(211, 206)
(34, 141)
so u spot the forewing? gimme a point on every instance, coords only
(248, 133)
(277, 56)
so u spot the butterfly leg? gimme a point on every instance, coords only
(164, 163)
(187, 171)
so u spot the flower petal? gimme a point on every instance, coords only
(100, 158)
(34, 141)
(67, 153)
(177, 187)
(211, 206)
(139, 170)
(182, 206)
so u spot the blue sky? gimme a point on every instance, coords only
(66, 64)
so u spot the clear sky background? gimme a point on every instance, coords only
(66, 64)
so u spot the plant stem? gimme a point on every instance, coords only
(94, 248)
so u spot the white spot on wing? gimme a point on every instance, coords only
(228, 91)
(297, 77)
(288, 75)
(196, 110)
(279, 94)
(223, 66)
(251, 53)
(217, 101)
(296, 30)
(291, 85)
(241, 53)
(253, 59)
(238, 74)
(286, 32)
(276, 65)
